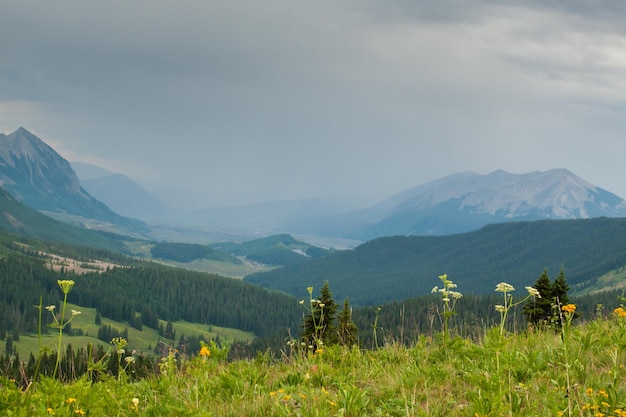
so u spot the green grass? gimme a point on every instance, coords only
(578, 372)
(140, 340)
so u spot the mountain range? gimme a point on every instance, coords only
(34, 174)
(467, 201)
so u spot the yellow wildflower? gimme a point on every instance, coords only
(619, 312)
(79, 412)
(205, 351)
(49, 410)
(70, 400)
(65, 285)
(569, 308)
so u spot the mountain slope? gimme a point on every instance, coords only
(40, 178)
(394, 268)
(120, 193)
(467, 201)
(24, 221)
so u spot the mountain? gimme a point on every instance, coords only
(398, 267)
(467, 201)
(39, 177)
(120, 193)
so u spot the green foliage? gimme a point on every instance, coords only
(319, 326)
(278, 250)
(188, 252)
(523, 374)
(383, 269)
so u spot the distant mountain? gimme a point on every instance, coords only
(120, 193)
(40, 178)
(467, 201)
(276, 250)
(398, 267)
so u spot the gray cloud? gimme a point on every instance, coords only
(248, 101)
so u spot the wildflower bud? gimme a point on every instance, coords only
(301, 301)
(50, 308)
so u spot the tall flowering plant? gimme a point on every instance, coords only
(449, 297)
(503, 309)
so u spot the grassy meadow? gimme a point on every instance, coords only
(142, 340)
(577, 370)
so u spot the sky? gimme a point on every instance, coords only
(241, 101)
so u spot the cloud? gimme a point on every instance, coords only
(246, 101)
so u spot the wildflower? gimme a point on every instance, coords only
(322, 305)
(75, 313)
(205, 351)
(589, 392)
(135, 401)
(287, 397)
(533, 291)
(435, 289)
(129, 359)
(65, 285)
(70, 400)
(569, 308)
(272, 393)
(50, 411)
(500, 308)
(504, 287)
(454, 294)
(50, 308)
(301, 302)
(79, 412)
(619, 312)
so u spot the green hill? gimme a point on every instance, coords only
(276, 250)
(395, 268)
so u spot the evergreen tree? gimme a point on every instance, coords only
(347, 329)
(8, 347)
(539, 310)
(559, 290)
(319, 324)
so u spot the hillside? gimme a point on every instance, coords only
(275, 250)
(139, 293)
(24, 221)
(394, 268)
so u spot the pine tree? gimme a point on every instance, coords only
(539, 310)
(559, 289)
(319, 323)
(347, 329)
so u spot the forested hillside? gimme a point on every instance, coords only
(395, 268)
(139, 293)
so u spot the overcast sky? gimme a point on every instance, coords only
(249, 101)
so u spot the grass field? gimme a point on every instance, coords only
(577, 371)
(142, 340)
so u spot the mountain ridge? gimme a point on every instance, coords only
(466, 201)
(36, 175)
